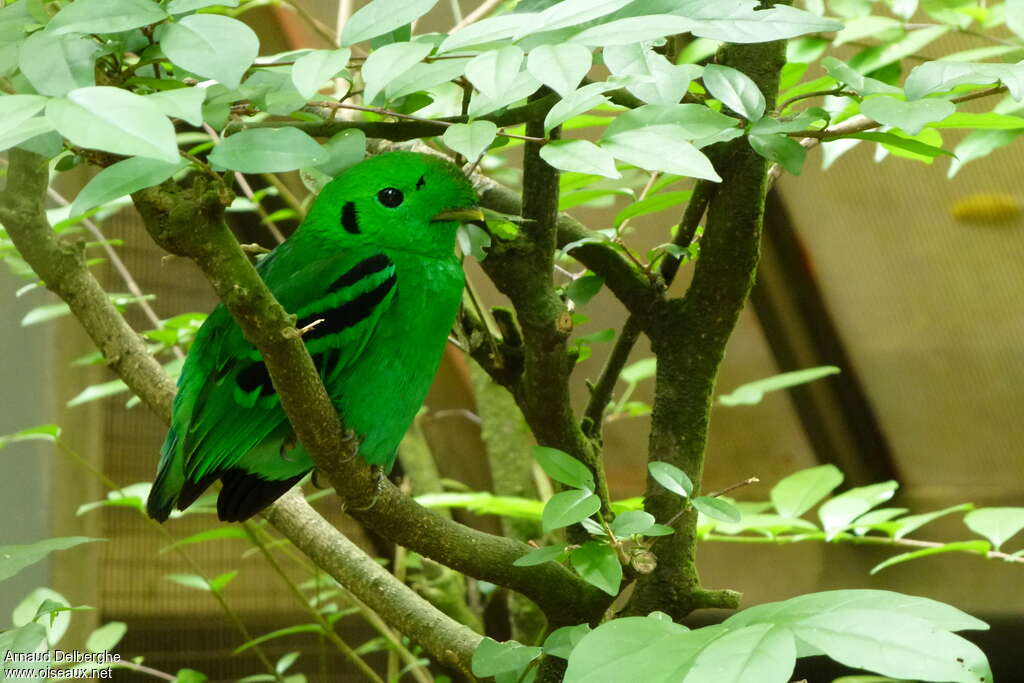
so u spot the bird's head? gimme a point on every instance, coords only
(397, 200)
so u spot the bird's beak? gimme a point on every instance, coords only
(465, 215)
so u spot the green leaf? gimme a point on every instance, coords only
(839, 512)
(795, 611)
(908, 144)
(741, 23)
(473, 240)
(388, 63)
(572, 13)
(645, 649)
(561, 67)
(735, 90)
(211, 45)
(39, 605)
(855, 80)
(771, 525)
(652, 204)
(104, 16)
(114, 120)
(632, 30)
(189, 581)
(495, 71)
(696, 121)
(753, 654)
(345, 149)
(569, 507)
(182, 6)
(998, 525)
(522, 87)
(190, 676)
(598, 565)
(9, 137)
(912, 523)
(580, 156)
(94, 392)
(800, 491)
(216, 534)
(716, 508)
(548, 553)
(781, 149)
(564, 468)
(671, 477)
(123, 178)
(281, 632)
(576, 103)
(979, 144)
(632, 522)
(490, 30)
(981, 547)
(983, 121)
(181, 103)
(661, 148)
(424, 76)
(382, 16)
(268, 150)
(48, 432)
(219, 582)
(16, 109)
(582, 290)
(491, 657)
(649, 75)
(484, 503)
(895, 644)
(909, 116)
(14, 558)
(106, 637)
(561, 641)
(637, 372)
(883, 55)
(55, 65)
(470, 139)
(752, 392)
(315, 68)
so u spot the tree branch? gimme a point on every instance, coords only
(190, 222)
(523, 272)
(63, 269)
(399, 131)
(689, 337)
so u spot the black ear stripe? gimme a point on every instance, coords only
(349, 220)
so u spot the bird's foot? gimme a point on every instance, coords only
(378, 486)
(351, 441)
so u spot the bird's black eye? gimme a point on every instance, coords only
(390, 197)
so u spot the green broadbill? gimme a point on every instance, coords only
(373, 271)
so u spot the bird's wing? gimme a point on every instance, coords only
(228, 404)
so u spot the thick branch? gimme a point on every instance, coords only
(61, 266)
(67, 276)
(689, 338)
(450, 642)
(190, 222)
(523, 272)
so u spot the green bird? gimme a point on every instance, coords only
(373, 276)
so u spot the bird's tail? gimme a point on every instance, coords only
(170, 477)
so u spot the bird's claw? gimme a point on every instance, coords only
(378, 486)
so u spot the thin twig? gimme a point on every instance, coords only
(250, 195)
(122, 270)
(410, 117)
(253, 532)
(859, 124)
(746, 482)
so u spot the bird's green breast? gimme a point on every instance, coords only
(380, 394)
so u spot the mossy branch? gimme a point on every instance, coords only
(689, 336)
(190, 222)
